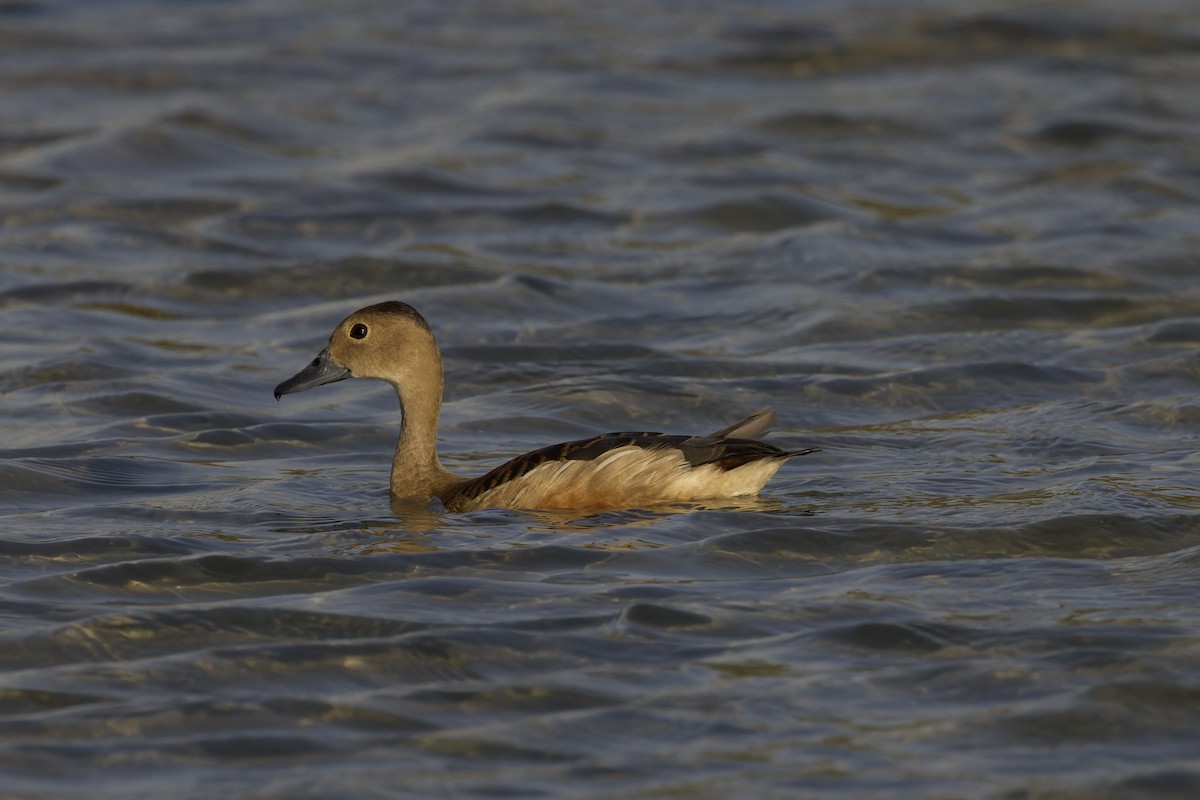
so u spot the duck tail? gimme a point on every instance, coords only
(752, 427)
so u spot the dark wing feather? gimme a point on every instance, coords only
(581, 449)
(697, 450)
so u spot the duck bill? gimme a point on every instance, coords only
(322, 370)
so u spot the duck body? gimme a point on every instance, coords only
(623, 470)
(392, 342)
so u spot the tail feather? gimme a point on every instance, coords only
(752, 427)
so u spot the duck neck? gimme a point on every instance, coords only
(416, 469)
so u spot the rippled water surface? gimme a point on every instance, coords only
(954, 244)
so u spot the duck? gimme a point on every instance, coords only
(392, 342)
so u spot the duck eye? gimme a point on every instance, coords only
(359, 331)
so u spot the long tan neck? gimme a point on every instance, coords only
(416, 469)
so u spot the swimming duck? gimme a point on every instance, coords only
(392, 342)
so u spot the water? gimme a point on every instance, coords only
(954, 244)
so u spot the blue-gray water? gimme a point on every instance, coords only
(954, 244)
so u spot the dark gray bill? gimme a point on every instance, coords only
(321, 370)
